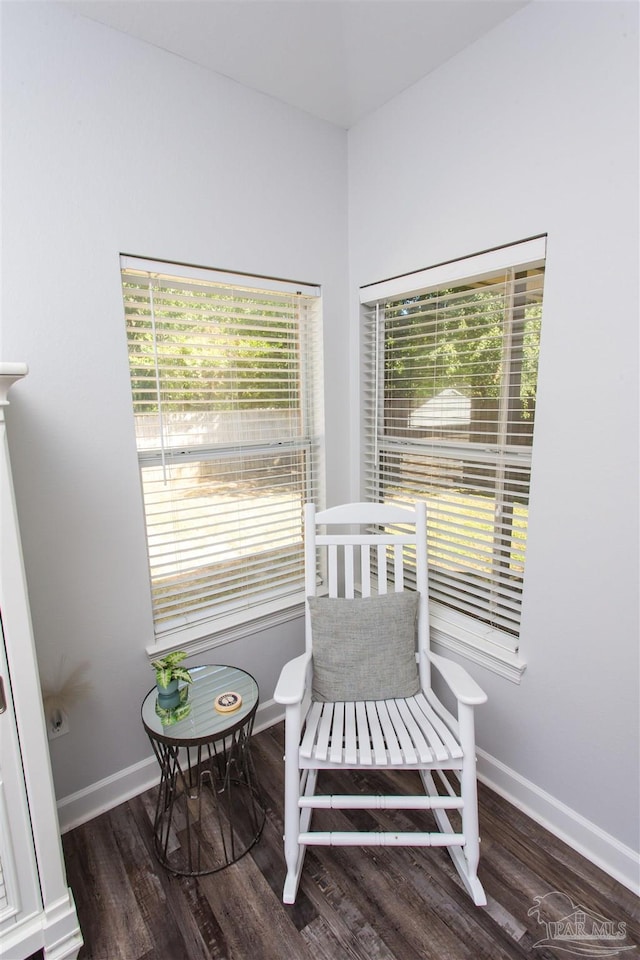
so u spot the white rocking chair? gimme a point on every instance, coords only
(355, 698)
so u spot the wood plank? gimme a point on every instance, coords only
(105, 900)
(425, 753)
(365, 569)
(186, 909)
(250, 915)
(310, 732)
(363, 733)
(349, 571)
(337, 730)
(321, 749)
(408, 750)
(388, 729)
(350, 734)
(377, 739)
(387, 904)
(418, 706)
(355, 937)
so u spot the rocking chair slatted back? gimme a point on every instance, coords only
(388, 553)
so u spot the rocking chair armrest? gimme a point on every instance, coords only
(293, 680)
(462, 685)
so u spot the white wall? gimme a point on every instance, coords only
(535, 129)
(110, 146)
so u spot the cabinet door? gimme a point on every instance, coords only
(19, 888)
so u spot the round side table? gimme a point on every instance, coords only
(209, 811)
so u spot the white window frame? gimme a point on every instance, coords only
(198, 630)
(451, 629)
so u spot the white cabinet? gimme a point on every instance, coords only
(37, 911)
(19, 890)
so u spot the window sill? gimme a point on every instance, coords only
(449, 632)
(467, 638)
(198, 638)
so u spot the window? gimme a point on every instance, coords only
(451, 360)
(226, 386)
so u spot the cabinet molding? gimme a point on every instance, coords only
(39, 912)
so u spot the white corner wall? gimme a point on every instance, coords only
(534, 129)
(111, 145)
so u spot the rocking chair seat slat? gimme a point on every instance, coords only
(350, 734)
(425, 754)
(363, 739)
(439, 750)
(377, 738)
(440, 728)
(408, 750)
(337, 730)
(394, 752)
(311, 730)
(324, 732)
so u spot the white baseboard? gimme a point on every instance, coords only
(99, 797)
(612, 856)
(599, 847)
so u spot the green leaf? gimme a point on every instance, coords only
(167, 670)
(164, 676)
(181, 673)
(172, 659)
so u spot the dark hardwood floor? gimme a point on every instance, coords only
(354, 904)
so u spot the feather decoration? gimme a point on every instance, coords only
(66, 692)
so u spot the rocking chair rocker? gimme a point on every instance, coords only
(361, 696)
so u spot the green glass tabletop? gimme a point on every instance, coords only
(203, 721)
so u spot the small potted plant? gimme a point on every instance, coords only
(168, 674)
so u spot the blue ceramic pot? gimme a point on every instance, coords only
(168, 697)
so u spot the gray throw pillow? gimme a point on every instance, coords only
(364, 649)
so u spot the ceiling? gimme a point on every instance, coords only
(336, 59)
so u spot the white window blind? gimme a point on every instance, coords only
(226, 387)
(450, 380)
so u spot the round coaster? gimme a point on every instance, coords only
(227, 702)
